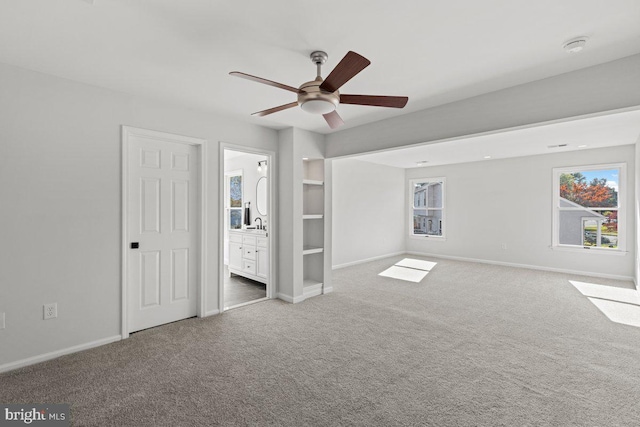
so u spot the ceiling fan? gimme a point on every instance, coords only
(322, 96)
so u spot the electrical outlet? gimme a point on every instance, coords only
(504, 246)
(2, 324)
(50, 311)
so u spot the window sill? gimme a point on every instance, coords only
(436, 238)
(615, 252)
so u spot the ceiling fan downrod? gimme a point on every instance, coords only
(319, 57)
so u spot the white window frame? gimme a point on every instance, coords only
(443, 209)
(622, 201)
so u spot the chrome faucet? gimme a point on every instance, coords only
(260, 226)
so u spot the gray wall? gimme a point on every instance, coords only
(60, 167)
(368, 211)
(510, 201)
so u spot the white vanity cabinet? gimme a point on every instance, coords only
(262, 258)
(249, 254)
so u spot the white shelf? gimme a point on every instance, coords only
(312, 216)
(310, 282)
(312, 182)
(308, 250)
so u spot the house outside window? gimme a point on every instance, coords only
(427, 207)
(588, 207)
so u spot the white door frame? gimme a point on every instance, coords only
(201, 144)
(271, 215)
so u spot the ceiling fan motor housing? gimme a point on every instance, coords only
(316, 101)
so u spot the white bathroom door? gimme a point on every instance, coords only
(163, 252)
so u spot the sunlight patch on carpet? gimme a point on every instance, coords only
(403, 273)
(619, 312)
(620, 305)
(418, 264)
(411, 270)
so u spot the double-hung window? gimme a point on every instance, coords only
(588, 207)
(233, 199)
(427, 207)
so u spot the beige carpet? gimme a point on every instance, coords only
(471, 345)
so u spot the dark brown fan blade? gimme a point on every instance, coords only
(351, 64)
(376, 101)
(333, 119)
(263, 81)
(275, 109)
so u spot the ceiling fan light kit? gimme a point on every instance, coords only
(321, 96)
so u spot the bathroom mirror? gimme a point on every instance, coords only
(261, 196)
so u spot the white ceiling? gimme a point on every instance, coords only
(583, 134)
(432, 51)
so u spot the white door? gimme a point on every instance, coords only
(163, 221)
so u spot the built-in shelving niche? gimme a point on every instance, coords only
(313, 227)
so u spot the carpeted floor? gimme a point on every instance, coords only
(471, 345)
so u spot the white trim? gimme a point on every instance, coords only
(57, 353)
(124, 238)
(430, 238)
(211, 313)
(272, 229)
(362, 261)
(204, 215)
(126, 133)
(527, 266)
(290, 299)
(244, 304)
(588, 250)
(326, 290)
(312, 291)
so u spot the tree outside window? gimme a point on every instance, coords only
(587, 204)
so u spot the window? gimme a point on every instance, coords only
(233, 199)
(588, 203)
(427, 207)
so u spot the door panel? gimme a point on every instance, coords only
(163, 207)
(263, 263)
(180, 202)
(149, 278)
(180, 277)
(150, 205)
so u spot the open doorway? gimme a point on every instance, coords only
(247, 227)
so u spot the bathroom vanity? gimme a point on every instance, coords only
(249, 254)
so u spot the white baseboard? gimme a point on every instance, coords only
(362, 261)
(312, 291)
(327, 290)
(52, 355)
(289, 298)
(211, 313)
(530, 267)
